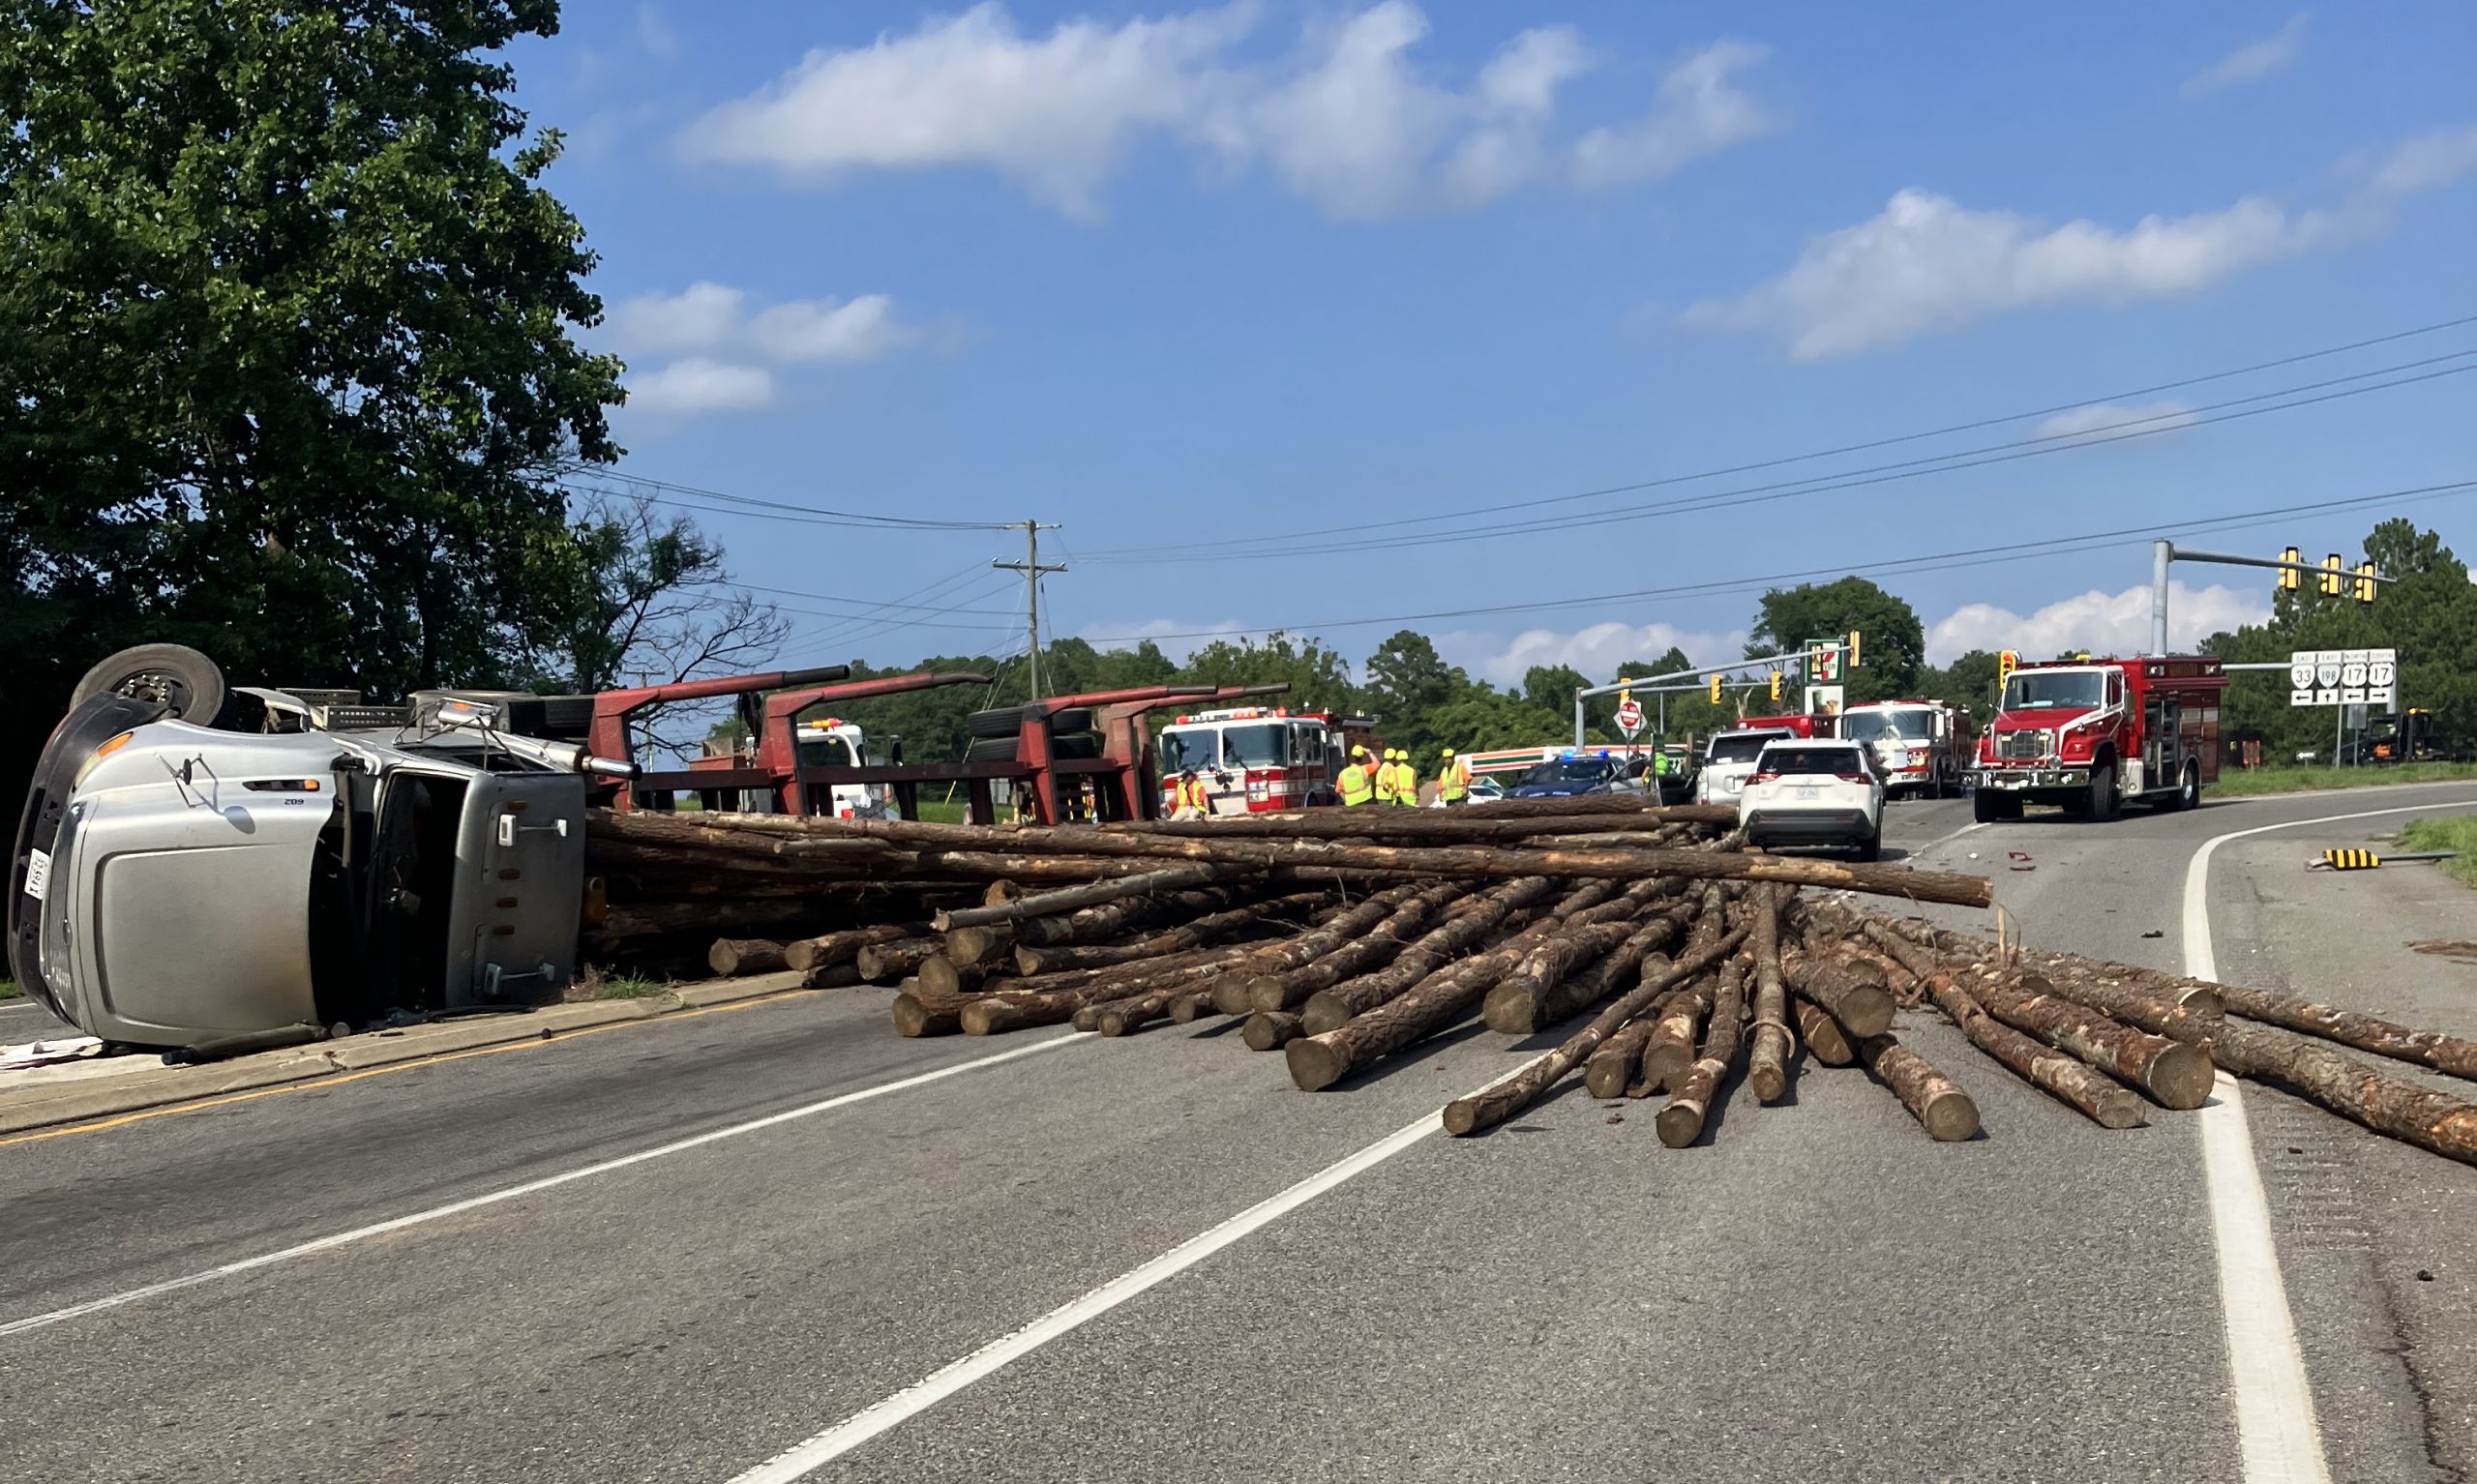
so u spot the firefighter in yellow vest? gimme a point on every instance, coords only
(1452, 780)
(1386, 784)
(1190, 799)
(1406, 779)
(1357, 783)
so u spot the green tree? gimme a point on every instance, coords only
(1894, 647)
(1319, 678)
(1968, 682)
(1409, 686)
(285, 366)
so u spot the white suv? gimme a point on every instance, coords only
(1729, 759)
(1815, 792)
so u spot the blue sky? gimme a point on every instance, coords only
(1219, 289)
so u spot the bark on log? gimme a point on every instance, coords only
(2068, 1079)
(1329, 1008)
(1614, 972)
(2127, 1001)
(2448, 1053)
(1050, 903)
(732, 957)
(1775, 1045)
(980, 946)
(941, 975)
(2173, 1073)
(2347, 1087)
(1823, 1036)
(1851, 989)
(918, 1015)
(1459, 826)
(1269, 1030)
(1029, 960)
(1933, 1099)
(830, 976)
(1681, 1122)
(887, 963)
(1517, 1005)
(1113, 920)
(1609, 1070)
(1292, 987)
(1191, 1006)
(1516, 1092)
(1669, 1050)
(845, 947)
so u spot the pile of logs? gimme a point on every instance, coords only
(1343, 938)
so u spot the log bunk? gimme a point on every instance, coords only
(1677, 962)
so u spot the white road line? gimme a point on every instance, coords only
(2276, 1431)
(995, 1356)
(528, 1188)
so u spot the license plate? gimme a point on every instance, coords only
(1807, 794)
(38, 874)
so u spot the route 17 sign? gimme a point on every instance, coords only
(2343, 677)
(1629, 716)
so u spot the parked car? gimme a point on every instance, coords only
(1728, 760)
(1485, 789)
(1572, 774)
(1815, 792)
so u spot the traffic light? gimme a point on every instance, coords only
(1715, 690)
(2332, 566)
(2005, 663)
(1853, 649)
(1776, 685)
(2365, 584)
(2290, 580)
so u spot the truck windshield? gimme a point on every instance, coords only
(1742, 746)
(1263, 745)
(1886, 726)
(1196, 748)
(833, 749)
(2045, 689)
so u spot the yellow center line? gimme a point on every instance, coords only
(313, 1084)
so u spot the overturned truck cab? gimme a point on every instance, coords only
(200, 869)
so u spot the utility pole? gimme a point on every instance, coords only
(1032, 570)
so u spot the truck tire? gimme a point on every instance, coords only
(1985, 807)
(990, 750)
(2186, 794)
(2105, 802)
(190, 685)
(1068, 747)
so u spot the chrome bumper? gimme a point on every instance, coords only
(2016, 779)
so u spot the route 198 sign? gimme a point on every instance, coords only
(2343, 677)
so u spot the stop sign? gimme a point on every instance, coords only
(1629, 716)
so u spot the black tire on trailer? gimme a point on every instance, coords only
(1006, 721)
(991, 749)
(190, 685)
(1079, 746)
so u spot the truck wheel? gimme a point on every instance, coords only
(2105, 802)
(1986, 806)
(190, 685)
(2188, 789)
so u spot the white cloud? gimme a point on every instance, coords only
(1349, 121)
(1928, 263)
(655, 34)
(1698, 111)
(697, 385)
(726, 346)
(2252, 62)
(2100, 622)
(1596, 650)
(2107, 420)
(2427, 162)
(1121, 636)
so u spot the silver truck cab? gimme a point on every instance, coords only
(183, 885)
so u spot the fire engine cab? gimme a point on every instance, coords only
(2089, 734)
(1923, 746)
(1258, 759)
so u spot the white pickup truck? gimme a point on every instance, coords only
(207, 867)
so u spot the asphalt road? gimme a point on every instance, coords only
(1813, 1292)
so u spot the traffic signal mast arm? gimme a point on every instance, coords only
(2333, 576)
(1695, 679)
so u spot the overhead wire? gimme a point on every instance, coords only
(2152, 426)
(1977, 556)
(750, 505)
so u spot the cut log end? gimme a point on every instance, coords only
(976, 945)
(1191, 1007)
(1313, 1065)
(1679, 1124)
(1665, 1064)
(1322, 1013)
(2181, 1077)
(2119, 1109)
(1771, 1084)
(912, 1018)
(1269, 1030)
(1949, 1116)
(1512, 1010)
(989, 1018)
(1608, 1071)
(1462, 1117)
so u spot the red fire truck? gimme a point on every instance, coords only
(1255, 760)
(1924, 745)
(2089, 734)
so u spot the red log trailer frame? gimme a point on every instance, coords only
(2089, 734)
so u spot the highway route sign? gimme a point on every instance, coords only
(2343, 677)
(1629, 716)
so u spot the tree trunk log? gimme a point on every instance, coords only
(1050, 903)
(1269, 1030)
(1775, 1045)
(1824, 1038)
(845, 947)
(1329, 1008)
(1940, 1106)
(1681, 1122)
(887, 963)
(830, 976)
(2432, 1049)
(2172, 1073)
(1029, 960)
(1515, 1005)
(1852, 990)
(973, 946)
(2347, 1087)
(1513, 1095)
(1459, 826)
(1609, 1070)
(1368, 934)
(732, 957)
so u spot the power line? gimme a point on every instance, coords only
(859, 602)
(1753, 495)
(750, 505)
(1976, 557)
(1034, 571)
(1907, 438)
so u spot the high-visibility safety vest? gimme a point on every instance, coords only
(1406, 782)
(1193, 794)
(1386, 785)
(1454, 781)
(1355, 786)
